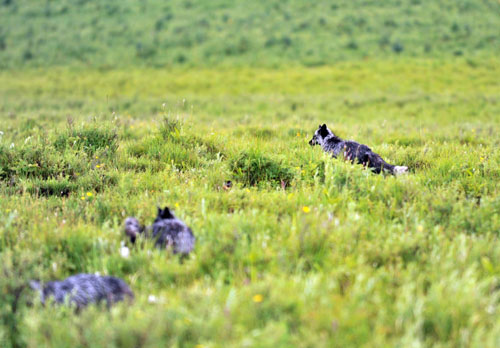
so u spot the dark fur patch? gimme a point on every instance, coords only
(164, 214)
(323, 131)
(352, 151)
(167, 231)
(83, 289)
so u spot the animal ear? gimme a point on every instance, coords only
(319, 126)
(159, 211)
(323, 131)
(166, 214)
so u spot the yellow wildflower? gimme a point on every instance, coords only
(89, 194)
(257, 298)
(306, 209)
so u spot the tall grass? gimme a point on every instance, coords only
(303, 250)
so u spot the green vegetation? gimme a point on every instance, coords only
(266, 33)
(340, 257)
(109, 109)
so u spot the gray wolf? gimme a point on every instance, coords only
(167, 231)
(353, 151)
(83, 289)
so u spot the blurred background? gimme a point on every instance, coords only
(263, 33)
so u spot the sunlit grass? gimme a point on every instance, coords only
(302, 250)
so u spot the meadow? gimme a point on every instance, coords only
(338, 257)
(304, 250)
(271, 33)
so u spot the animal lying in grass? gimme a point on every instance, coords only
(167, 231)
(353, 151)
(83, 289)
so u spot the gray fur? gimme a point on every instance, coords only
(352, 151)
(132, 228)
(83, 289)
(167, 231)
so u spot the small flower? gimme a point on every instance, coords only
(96, 157)
(98, 166)
(257, 298)
(82, 198)
(177, 205)
(124, 250)
(420, 228)
(298, 134)
(306, 209)
(89, 194)
(152, 299)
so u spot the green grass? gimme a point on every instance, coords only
(340, 257)
(111, 108)
(267, 33)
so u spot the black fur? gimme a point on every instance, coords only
(352, 151)
(167, 231)
(164, 214)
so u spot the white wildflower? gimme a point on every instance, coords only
(124, 250)
(152, 299)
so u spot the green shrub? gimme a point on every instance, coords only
(51, 187)
(252, 168)
(170, 128)
(89, 139)
(32, 161)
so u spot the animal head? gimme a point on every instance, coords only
(319, 136)
(164, 214)
(132, 228)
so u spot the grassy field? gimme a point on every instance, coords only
(340, 257)
(110, 109)
(270, 33)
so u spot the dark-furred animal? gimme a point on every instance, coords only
(167, 231)
(83, 289)
(353, 151)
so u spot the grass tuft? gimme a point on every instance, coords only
(252, 168)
